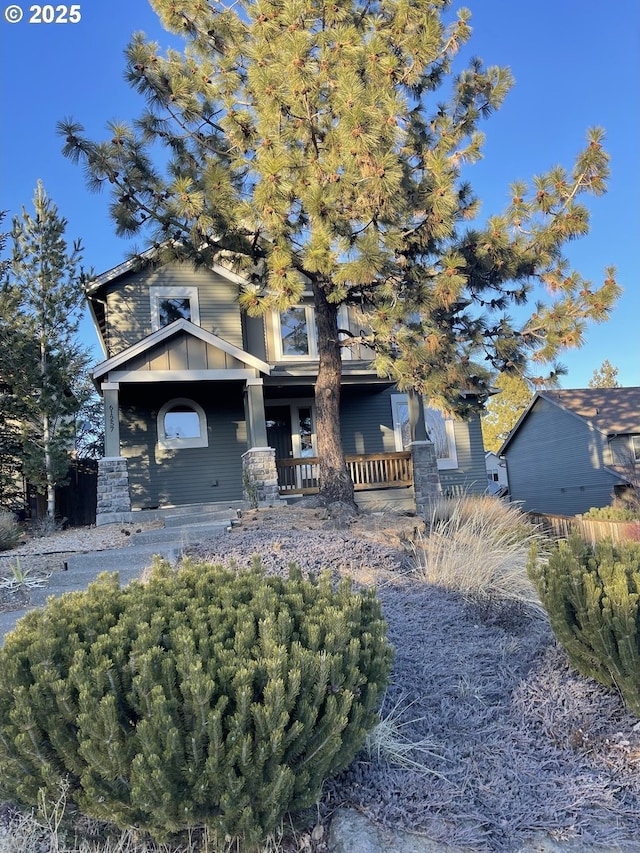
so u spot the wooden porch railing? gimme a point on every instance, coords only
(367, 470)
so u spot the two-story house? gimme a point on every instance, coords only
(574, 449)
(192, 386)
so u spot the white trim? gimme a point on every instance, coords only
(444, 463)
(179, 443)
(159, 292)
(312, 333)
(110, 386)
(169, 331)
(180, 375)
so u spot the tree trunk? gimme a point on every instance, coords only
(335, 482)
(48, 465)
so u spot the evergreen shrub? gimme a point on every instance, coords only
(207, 696)
(592, 596)
(612, 513)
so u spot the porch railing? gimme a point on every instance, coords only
(367, 470)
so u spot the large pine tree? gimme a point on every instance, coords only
(324, 143)
(41, 359)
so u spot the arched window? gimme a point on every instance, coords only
(182, 423)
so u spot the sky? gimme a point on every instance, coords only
(576, 65)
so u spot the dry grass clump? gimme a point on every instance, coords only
(22, 832)
(479, 546)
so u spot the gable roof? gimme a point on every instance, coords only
(611, 411)
(170, 331)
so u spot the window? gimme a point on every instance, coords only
(296, 333)
(182, 423)
(439, 429)
(635, 447)
(173, 303)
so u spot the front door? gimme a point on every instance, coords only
(291, 431)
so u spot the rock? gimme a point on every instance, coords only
(352, 832)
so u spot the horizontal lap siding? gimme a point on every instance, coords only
(470, 477)
(367, 427)
(555, 463)
(367, 424)
(186, 475)
(129, 304)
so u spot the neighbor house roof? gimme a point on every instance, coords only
(611, 411)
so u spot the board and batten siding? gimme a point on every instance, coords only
(159, 477)
(129, 304)
(184, 352)
(555, 463)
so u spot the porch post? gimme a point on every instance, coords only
(254, 410)
(111, 393)
(259, 473)
(426, 480)
(417, 425)
(114, 501)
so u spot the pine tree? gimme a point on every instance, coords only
(316, 142)
(605, 376)
(40, 359)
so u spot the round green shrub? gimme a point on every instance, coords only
(592, 596)
(611, 513)
(206, 696)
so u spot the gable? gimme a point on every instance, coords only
(124, 301)
(180, 348)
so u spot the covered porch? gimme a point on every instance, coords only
(368, 471)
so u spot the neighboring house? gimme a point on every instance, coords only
(573, 450)
(192, 385)
(498, 482)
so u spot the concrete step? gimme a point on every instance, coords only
(206, 517)
(186, 534)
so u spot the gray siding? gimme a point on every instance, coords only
(184, 352)
(367, 427)
(555, 463)
(367, 424)
(129, 304)
(189, 475)
(470, 477)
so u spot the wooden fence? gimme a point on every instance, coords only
(591, 529)
(367, 470)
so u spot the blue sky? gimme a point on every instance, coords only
(576, 64)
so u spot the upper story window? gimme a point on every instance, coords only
(182, 423)
(296, 335)
(635, 447)
(173, 303)
(440, 430)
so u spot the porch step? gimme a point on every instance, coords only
(187, 513)
(181, 535)
(197, 518)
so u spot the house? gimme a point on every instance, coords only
(496, 473)
(199, 397)
(575, 449)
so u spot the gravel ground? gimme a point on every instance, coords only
(500, 739)
(509, 741)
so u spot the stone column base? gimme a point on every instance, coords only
(260, 477)
(426, 479)
(114, 502)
